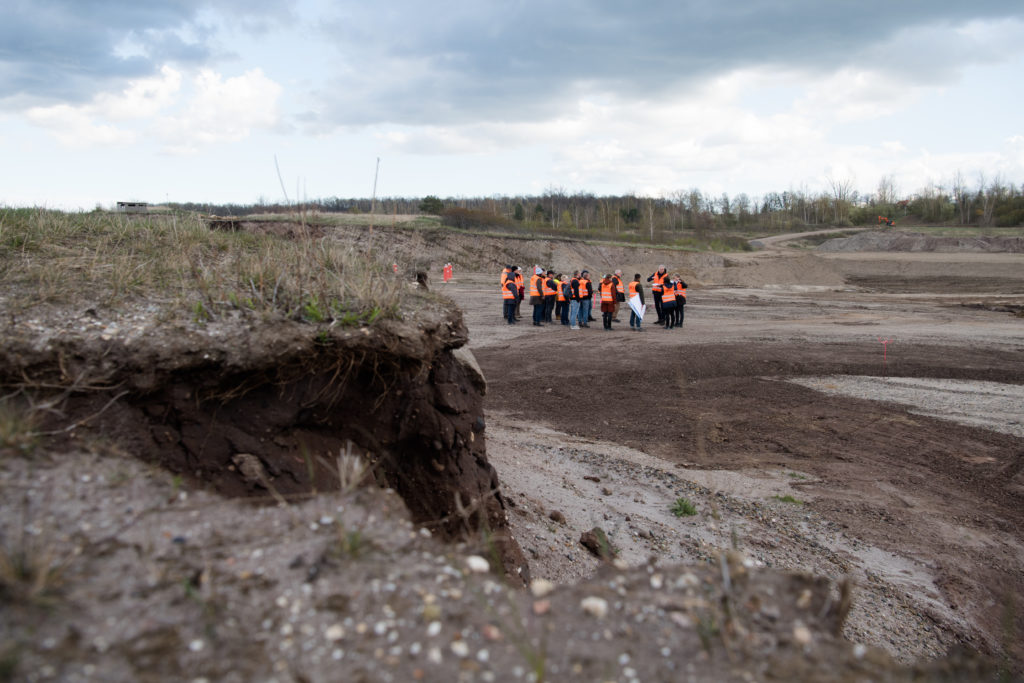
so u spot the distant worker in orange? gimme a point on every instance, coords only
(620, 293)
(657, 287)
(550, 291)
(521, 284)
(679, 290)
(574, 300)
(537, 296)
(635, 289)
(509, 299)
(607, 301)
(561, 299)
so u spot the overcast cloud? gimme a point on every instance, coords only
(589, 94)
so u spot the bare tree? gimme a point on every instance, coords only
(885, 195)
(991, 194)
(961, 197)
(842, 191)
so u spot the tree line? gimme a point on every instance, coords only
(983, 203)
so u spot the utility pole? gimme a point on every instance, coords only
(373, 200)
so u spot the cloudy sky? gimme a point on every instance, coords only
(192, 100)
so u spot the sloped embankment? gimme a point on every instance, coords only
(918, 242)
(264, 410)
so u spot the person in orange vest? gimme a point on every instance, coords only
(509, 299)
(668, 303)
(586, 298)
(505, 278)
(657, 286)
(620, 293)
(549, 291)
(607, 301)
(679, 290)
(574, 301)
(537, 296)
(635, 289)
(561, 300)
(517, 273)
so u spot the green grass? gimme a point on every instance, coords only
(683, 508)
(177, 262)
(788, 499)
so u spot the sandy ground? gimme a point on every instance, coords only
(793, 438)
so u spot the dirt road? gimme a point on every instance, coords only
(610, 428)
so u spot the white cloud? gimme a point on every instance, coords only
(207, 109)
(222, 110)
(77, 126)
(142, 98)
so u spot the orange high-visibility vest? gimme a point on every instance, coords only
(658, 282)
(579, 286)
(607, 292)
(680, 291)
(548, 291)
(505, 293)
(504, 276)
(519, 280)
(620, 288)
(632, 288)
(559, 294)
(535, 285)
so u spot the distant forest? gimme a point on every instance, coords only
(688, 212)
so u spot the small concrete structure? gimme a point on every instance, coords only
(133, 207)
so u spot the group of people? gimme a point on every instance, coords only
(572, 299)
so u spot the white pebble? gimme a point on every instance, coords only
(541, 587)
(334, 633)
(434, 655)
(460, 649)
(594, 606)
(477, 564)
(196, 645)
(433, 629)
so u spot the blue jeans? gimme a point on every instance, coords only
(538, 313)
(584, 317)
(574, 311)
(633, 317)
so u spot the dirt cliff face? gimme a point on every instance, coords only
(267, 411)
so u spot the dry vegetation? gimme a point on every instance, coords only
(179, 264)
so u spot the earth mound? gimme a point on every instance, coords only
(918, 242)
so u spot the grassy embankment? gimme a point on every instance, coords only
(180, 265)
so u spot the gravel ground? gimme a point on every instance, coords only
(992, 405)
(629, 494)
